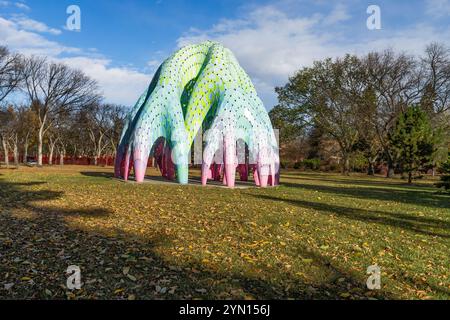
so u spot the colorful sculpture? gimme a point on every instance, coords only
(200, 88)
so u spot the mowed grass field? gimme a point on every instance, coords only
(313, 237)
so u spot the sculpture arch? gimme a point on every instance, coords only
(200, 87)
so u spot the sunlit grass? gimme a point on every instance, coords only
(312, 237)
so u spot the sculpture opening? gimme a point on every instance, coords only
(200, 91)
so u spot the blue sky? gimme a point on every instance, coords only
(121, 43)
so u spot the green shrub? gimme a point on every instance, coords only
(444, 183)
(285, 164)
(312, 164)
(358, 162)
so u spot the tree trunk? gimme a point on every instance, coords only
(25, 151)
(409, 177)
(50, 156)
(16, 153)
(390, 171)
(345, 165)
(371, 169)
(61, 158)
(99, 150)
(5, 152)
(433, 169)
(40, 142)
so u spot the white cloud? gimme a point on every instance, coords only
(153, 63)
(121, 85)
(271, 44)
(27, 42)
(338, 14)
(22, 6)
(28, 24)
(19, 5)
(438, 8)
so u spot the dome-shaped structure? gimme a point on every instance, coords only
(200, 88)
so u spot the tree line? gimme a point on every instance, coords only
(52, 109)
(382, 109)
(386, 108)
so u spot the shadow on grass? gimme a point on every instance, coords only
(422, 225)
(408, 194)
(368, 181)
(155, 178)
(99, 174)
(37, 244)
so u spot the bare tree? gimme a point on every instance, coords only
(7, 120)
(104, 123)
(25, 128)
(97, 126)
(54, 88)
(436, 76)
(117, 114)
(52, 142)
(435, 70)
(10, 72)
(397, 85)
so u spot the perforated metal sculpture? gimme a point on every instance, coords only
(200, 88)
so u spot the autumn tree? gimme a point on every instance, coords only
(368, 141)
(291, 126)
(324, 96)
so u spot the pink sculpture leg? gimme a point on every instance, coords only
(255, 175)
(230, 160)
(263, 175)
(140, 164)
(263, 180)
(127, 166)
(272, 179)
(211, 172)
(225, 180)
(205, 172)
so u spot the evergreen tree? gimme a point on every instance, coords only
(445, 179)
(413, 140)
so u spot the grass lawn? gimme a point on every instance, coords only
(312, 237)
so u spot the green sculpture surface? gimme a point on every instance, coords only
(200, 88)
